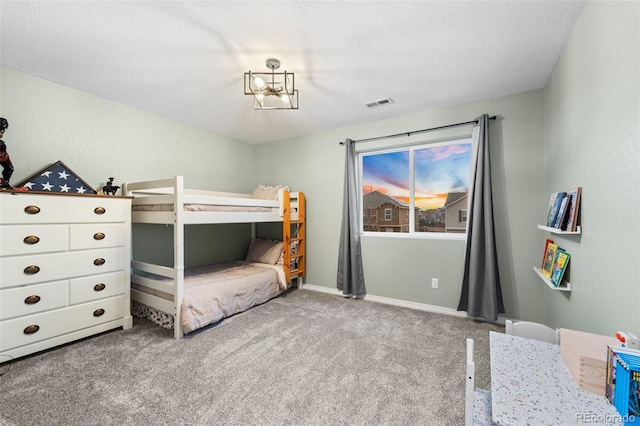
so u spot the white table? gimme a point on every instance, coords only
(531, 385)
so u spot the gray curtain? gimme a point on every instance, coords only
(481, 294)
(350, 273)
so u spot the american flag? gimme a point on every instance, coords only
(57, 178)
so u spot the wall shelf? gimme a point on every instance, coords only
(563, 286)
(578, 230)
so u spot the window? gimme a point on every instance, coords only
(426, 184)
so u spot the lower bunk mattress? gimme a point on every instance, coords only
(214, 292)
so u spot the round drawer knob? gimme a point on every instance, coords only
(32, 210)
(99, 287)
(32, 300)
(31, 329)
(99, 261)
(99, 210)
(31, 240)
(98, 312)
(98, 236)
(31, 270)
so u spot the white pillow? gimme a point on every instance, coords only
(266, 192)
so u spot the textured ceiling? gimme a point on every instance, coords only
(185, 59)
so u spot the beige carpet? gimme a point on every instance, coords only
(305, 358)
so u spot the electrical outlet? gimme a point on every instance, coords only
(434, 283)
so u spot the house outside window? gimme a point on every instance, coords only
(417, 190)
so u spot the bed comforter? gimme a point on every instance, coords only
(214, 292)
(219, 291)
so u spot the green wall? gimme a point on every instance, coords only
(402, 268)
(98, 138)
(592, 139)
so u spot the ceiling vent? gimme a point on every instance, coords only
(379, 102)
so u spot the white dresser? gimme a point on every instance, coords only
(64, 269)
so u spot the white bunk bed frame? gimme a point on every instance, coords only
(289, 209)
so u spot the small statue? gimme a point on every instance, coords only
(109, 188)
(5, 160)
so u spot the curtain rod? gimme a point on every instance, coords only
(397, 135)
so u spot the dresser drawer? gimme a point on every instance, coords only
(32, 208)
(34, 328)
(96, 235)
(32, 299)
(21, 270)
(33, 239)
(96, 287)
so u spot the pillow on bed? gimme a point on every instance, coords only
(264, 251)
(266, 192)
(294, 250)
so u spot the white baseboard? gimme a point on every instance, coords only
(390, 301)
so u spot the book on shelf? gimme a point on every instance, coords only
(610, 373)
(623, 381)
(554, 206)
(544, 253)
(559, 266)
(552, 202)
(549, 259)
(574, 209)
(561, 218)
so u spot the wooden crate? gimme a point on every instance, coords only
(586, 357)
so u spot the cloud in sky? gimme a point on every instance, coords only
(387, 173)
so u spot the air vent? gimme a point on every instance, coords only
(379, 102)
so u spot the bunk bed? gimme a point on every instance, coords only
(187, 299)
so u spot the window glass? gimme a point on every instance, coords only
(385, 177)
(416, 190)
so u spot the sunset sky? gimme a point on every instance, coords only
(439, 170)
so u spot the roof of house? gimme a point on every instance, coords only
(454, 197)
(375, 199)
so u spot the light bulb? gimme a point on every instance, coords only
(260, 83)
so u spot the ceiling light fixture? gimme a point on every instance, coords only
(271, 90)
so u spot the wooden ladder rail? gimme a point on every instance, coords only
(300, 237)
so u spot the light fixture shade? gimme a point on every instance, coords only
(271, 90)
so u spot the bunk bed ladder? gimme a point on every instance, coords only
(294, 231)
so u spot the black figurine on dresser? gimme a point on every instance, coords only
(5, 160)
(110, 188)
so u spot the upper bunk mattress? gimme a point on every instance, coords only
(202, 208)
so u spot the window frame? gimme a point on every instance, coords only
(412, 147)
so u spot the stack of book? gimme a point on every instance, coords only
(563, 210)
(554, 262)
(623, 381)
